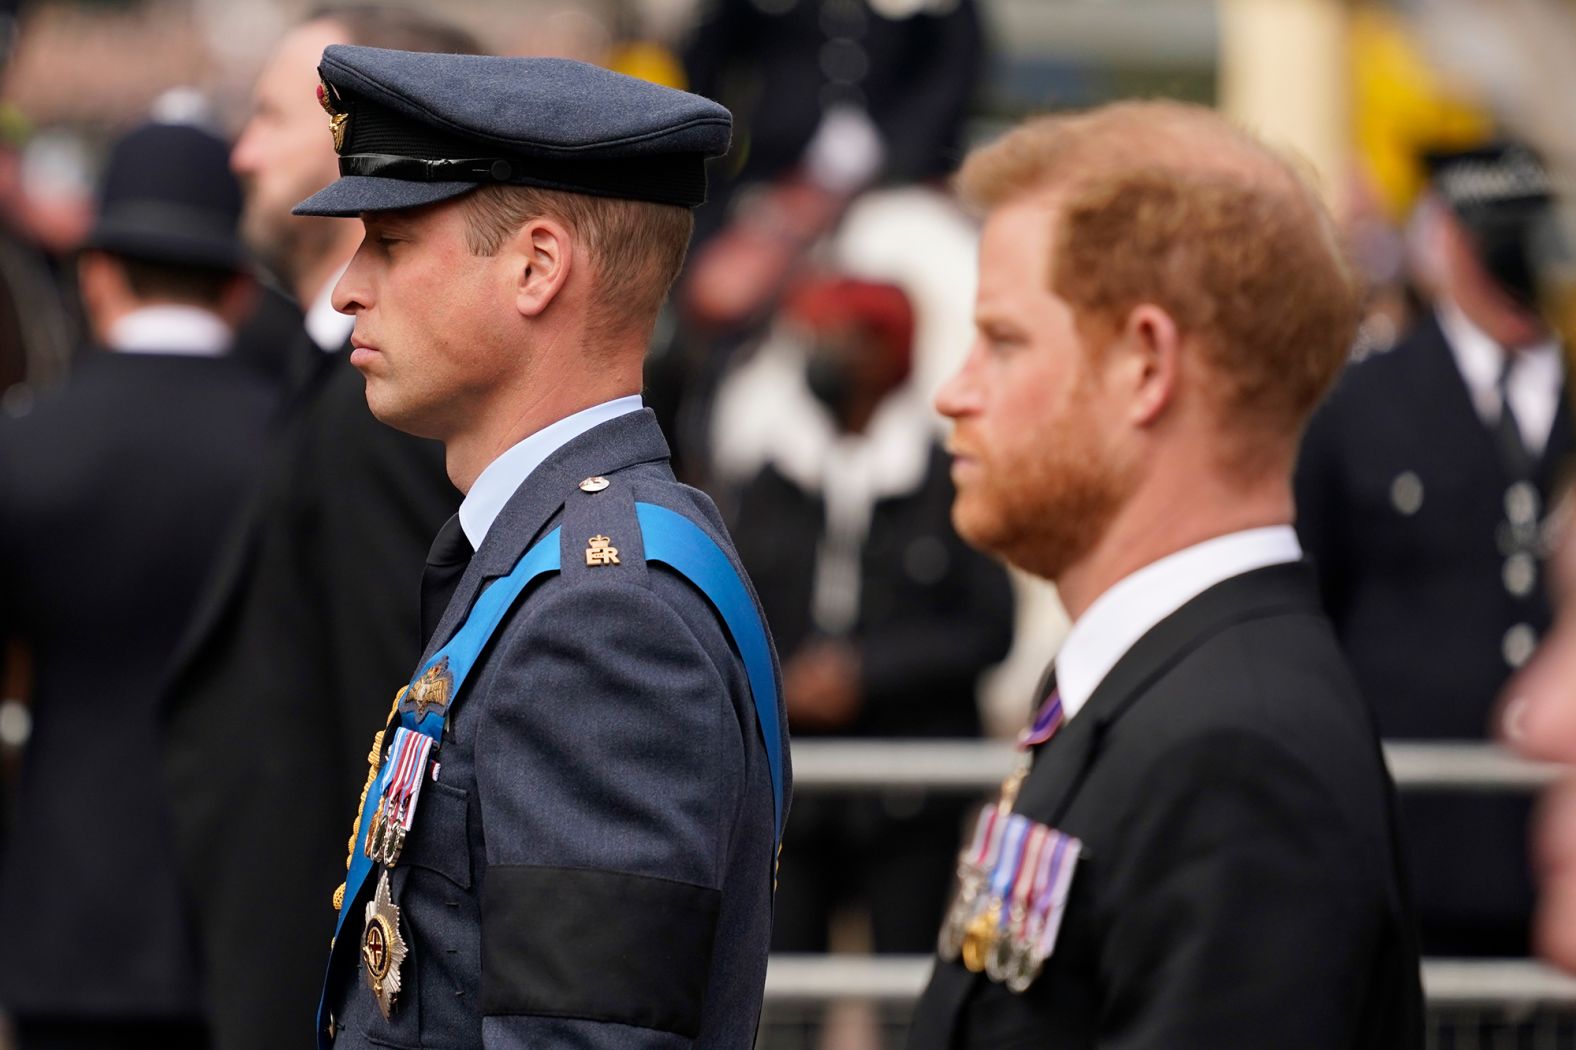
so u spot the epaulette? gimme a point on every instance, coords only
(600, 533)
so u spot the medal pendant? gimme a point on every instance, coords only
(374, 833)
(950, 941)
(977, 939)
(382, 948)
(1001, 961)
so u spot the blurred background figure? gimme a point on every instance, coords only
(884, 618)
(1421, 493)
(830, 98)
(114, 493)
(311, 620)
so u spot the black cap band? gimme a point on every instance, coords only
(675, 178)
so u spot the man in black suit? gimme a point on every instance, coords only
(1198, 848)
(311, 618)
(1422, 488)
(114, 495)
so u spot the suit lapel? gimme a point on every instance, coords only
(1557, 450)
(1061, 764)
(604, 449)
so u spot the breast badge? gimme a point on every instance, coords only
(383, 949)
(431, 691)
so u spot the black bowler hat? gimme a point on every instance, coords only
(414, 129)
(168, 195)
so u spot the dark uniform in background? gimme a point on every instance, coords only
(114, 494)
(590, 860)
(1423, 515)
(307, 624)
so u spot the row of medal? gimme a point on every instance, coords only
(1013, 878)
(1013, 881)
(383, 948)
(396, 809)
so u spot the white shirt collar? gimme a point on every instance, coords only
(1534, 385)
(187, 330)
(1126, 611)
(499, 480)
(327, 326)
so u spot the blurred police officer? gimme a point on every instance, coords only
(1198, 847)
(1421, 491)
(313, 608)
(568, 832)
(114, 494)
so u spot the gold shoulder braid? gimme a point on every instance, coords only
(373, 758)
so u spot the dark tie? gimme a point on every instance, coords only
(446, 562)
(1507, 432)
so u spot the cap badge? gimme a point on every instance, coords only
(338, 119)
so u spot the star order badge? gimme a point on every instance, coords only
(432, 689)
(338, 119)
(382, 948)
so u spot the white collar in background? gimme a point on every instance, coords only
(327, 326)
(186, 330)
(499, 480)
(1127, 610)
(1535, 380)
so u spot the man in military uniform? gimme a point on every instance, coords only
(1421, 490)
(1198, 847)
(569, 827)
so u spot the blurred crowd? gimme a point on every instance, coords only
(201, 522)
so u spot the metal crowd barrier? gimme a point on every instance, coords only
(897, 980)
(970, 766)
(977, 767)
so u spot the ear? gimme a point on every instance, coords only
(1148, 352)
(544, 256)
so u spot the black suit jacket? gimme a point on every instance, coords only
(309, 625)
(1419, 601)
(933, 613)
(1241, 883)
(114, 495)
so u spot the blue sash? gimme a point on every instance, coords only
(669, 538)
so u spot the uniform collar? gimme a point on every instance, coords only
(186, 330)
(499, 479)
(1139, 601)
(1534, 384)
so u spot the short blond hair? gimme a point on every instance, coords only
(636, 248)
(1169, 204)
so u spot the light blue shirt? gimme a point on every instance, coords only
(498, 482)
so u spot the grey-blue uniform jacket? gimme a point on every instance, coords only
(593, 865)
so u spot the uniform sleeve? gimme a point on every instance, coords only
(610, 765)
(1246, 916)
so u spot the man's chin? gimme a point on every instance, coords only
(390, 411)
(977, 525)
